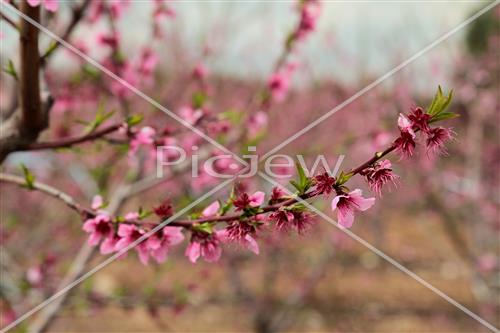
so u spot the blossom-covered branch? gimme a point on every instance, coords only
(250, 214)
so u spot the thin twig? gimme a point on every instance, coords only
(78, 14)
(52, 191)
(68, 142)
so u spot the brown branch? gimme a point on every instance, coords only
(32, 119)
(78, 14)
(52, 191)
(26, 123)
(68, 142)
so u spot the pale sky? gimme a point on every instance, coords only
(352, 37)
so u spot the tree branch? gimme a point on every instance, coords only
(52, 191)
(68, 142)
(78, 14)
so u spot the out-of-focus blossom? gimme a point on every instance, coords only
(190, 115)
(347, 203)
(148, 61)
(145, 137)
(256, 123)
(310, 11)
(97, 202)
(111, 40)
(487, 262)
(278, 85)
(50, 5)
(200, 72)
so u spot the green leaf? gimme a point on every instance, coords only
(50, 49)
(199, 98)
(11, 69)
(303, 183)
(28, 177)
(134, 119)
(206, 227)
(440, 102)
(444, 116)
(343, 178)
(100, 117)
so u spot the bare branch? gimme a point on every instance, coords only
(52, 191)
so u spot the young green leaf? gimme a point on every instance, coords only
(11, 69)
(28, 177)
(440, 102)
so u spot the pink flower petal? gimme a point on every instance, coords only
(193, 251)
(34, 3)
(212, 209)
(257, 199)
(251, 244)
(345, 217)
(51, 5)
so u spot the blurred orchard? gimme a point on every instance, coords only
(90, 90)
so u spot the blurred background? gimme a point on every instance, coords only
(441, 221)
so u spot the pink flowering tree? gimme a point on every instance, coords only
(91, 140)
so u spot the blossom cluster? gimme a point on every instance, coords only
(244, 216)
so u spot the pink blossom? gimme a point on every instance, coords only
(200, 72)
(147, 62)
(50, 5)
(190, 115)
(244, 200)
(128, 234)
(111, 40)
(160, 243)
(257, 199)
(256, 123)
(108, 244)
(348, 203)
(436, 139)
(420, 120)
(131, 217)
(99, 228)
(286, 220)
(405, 144)
(378, 175)
(146, 137)
(279, 84)
(208, 246)
(97, 202)
(324, 183)
(309, 15)
(211, 210)
(164, 210)
(282, 219)
(250, 244)
(117, 7)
